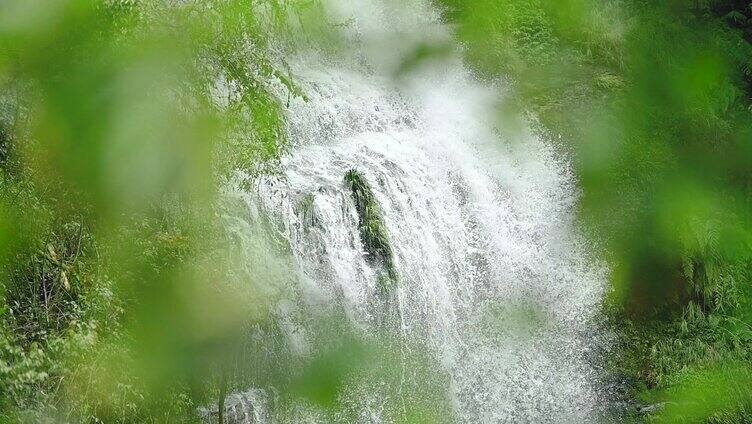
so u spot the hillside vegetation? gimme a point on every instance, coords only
(118, 121)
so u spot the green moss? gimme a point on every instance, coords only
(373, 232)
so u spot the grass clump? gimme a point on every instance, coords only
(373, 232)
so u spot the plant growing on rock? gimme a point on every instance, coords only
(373, 232)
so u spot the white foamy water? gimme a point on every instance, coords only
(493, 277)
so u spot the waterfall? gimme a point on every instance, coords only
(493, 276)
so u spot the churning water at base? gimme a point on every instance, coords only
(493, 278)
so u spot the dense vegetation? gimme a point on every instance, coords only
(654, 99)
(113, 144)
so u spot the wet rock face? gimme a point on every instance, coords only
(240, 408)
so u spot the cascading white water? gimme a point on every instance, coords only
(493, 276)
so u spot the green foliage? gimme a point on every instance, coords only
(373, 233)
(5, 145)
(117, 295)
(717, 394)
(119, 118)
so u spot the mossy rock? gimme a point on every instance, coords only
(373, 232)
